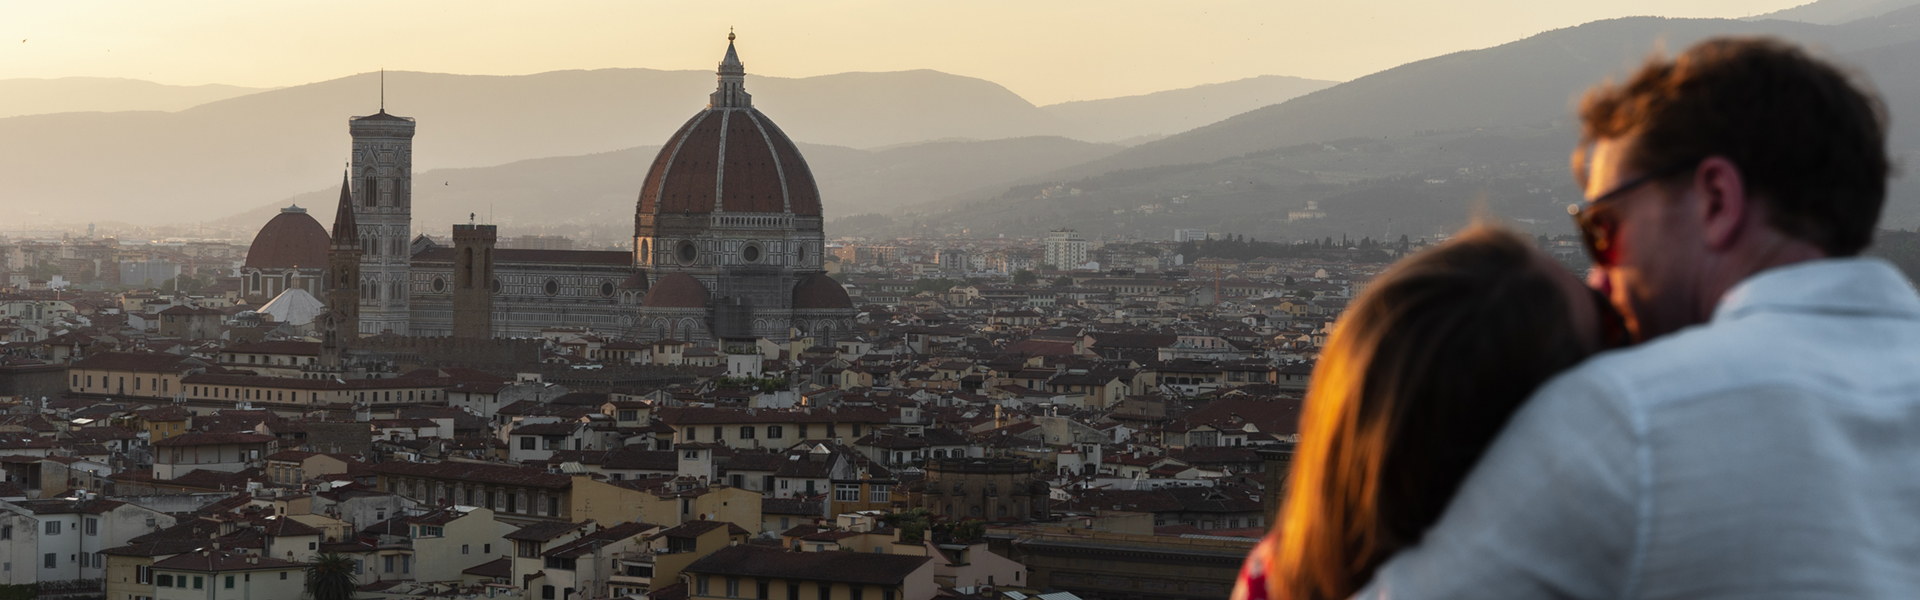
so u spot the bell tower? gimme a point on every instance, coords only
(341, 324)
(383, 209)
(473, 281)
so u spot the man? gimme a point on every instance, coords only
(1764, 440)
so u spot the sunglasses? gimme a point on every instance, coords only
(1596, 220)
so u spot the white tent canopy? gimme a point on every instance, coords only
(294, 307)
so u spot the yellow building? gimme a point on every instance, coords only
(131, 375)
(666, 502)
(162, 422)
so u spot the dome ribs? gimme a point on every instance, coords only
(656, 174)
(803, 197)
(752, 181)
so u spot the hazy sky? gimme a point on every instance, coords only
(1046, 51)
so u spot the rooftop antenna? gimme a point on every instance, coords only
(383, 89)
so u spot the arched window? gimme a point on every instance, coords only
(369, 191)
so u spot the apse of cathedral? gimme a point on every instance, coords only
(728, 246)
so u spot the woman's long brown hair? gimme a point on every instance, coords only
(1418, 377)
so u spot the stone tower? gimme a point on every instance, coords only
(342, 321)
(728, 229)
(473, 281)
(383, 208)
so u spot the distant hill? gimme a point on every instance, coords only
(225, 156)
(1489, 126)
(105, 94)
(1528, 81)
(1835, 12)
(1174, 111)
(595, 194)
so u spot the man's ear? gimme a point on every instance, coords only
(1724, 205)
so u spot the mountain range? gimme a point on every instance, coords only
(106, 94)
(231, 155)
(1413, 150)
(1369, 152)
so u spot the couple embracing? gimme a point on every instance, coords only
(1728, 406)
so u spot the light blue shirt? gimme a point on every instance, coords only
(1773, 452)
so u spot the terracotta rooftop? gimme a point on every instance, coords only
(838, 567)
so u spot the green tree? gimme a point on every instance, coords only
(330, 577)
(912, 524)
(1063, 281)
(1024, 277)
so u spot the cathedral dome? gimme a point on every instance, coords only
(676, 290)
(729, 157)
(820, 291)
(292, 239)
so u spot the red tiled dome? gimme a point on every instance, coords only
(291, 239)
(820, 291)
(676, 290)
(764, 171)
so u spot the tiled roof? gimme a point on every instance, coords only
(587, 543)
(545, 531)
(676, 290)
(210, 439)
(293, 347)
(214, 562)
(497, 568)
(523, 256)
(475, 472)
(697, 528)
(132, 361)
(839, 567)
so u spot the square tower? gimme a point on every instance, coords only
(383, 210)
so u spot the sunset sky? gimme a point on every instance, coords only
(1047, 52)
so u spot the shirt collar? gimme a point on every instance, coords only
(1859, 286)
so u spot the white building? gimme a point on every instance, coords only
(61, 539)
(1066, 249)
(227, 575)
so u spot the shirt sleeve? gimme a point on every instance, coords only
(1552, 510)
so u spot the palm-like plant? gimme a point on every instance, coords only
(330, 577)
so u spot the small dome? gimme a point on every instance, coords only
(676, 290)
(636, 281)
(292, 239)
(820, 291)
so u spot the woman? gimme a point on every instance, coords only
(1419, 375)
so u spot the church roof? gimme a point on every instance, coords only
(820, 291)
(677, 290)
(383, 116)
(763, 170)
(291, 239)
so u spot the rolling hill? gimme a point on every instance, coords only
(105, 94)
(224, 156)
(1175, 111)
(593, 195)
(240, 152)
(1394, 144)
